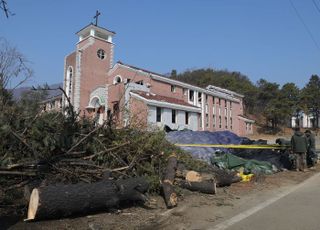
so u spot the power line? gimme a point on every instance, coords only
(316, 5)
(305, 25)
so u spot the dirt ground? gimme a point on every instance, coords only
(195, 210)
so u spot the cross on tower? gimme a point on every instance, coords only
(96, 17)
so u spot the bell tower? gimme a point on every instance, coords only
(89, 64)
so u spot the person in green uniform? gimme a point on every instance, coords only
(311, 151)
(299, 145)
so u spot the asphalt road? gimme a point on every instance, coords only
(296, 209)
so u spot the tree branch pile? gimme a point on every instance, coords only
(39, 149)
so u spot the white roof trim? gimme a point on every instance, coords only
(246, 119)
(166, 104)
(230, 92)
(178, 83)
(192, 87)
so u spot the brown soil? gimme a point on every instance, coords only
(195, 210)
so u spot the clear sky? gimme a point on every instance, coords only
(259, 38)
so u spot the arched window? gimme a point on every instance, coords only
(69, 81)
(117, 79)
(95, 102)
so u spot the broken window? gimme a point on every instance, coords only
(185, 91)
(158, 114)
(207, 120)
(199, 97)
(214, 121)
(191, 95)
(173, 116)
(187, 118)
(139, 82)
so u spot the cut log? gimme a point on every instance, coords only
(208, 186)
(170, 196)
(194, 176)
(225, 178)
(64, 200)
(219, 176)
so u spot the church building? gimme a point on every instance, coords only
(99, 88)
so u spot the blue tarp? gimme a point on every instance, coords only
(203, 137)
(278, 159)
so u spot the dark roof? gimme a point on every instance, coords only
(155, 97)
(160, 75)
(91, 24)
(144, 70)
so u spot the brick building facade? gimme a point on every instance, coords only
(134, 96)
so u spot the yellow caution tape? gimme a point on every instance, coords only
(234, 146)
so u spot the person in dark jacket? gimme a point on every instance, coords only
(311, 151)
(299, 145)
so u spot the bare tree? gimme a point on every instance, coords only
(13, 66)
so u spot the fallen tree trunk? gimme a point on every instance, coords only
(64, 200)
(225, 178)
(170, 196)
(208, 186)
(194, 176)
(219, 176)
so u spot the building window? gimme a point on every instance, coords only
(225, 103)
(199, 97)
(226, 122)
(230, 105)
(200, 121)
(173, 116)
(225, 111)
(207, 120)
(158, 114)
(191, 95)
(220, 125)
(101, 54)
(69, 81)
(187, 118)
(139, 82)
(219, 101)
(116, 111)
(117, 79)
(173, 88)
(214, 121)
(184, 91)
(230, 123)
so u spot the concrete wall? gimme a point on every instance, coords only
(166, 118)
